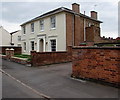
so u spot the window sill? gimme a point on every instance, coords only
(53, 29)
(41, 30)
(24, 51)
(32, 32)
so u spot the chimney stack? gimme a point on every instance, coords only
(94, 14)
(76, 8)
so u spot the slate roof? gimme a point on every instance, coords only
(58, 10)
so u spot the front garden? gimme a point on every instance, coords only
(28, 57)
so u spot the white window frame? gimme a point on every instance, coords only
(31, 45)
(89, 24)
(42, 25)
(24, 46)
(19, 38)
(24, 30)
(55, 45)
(19, 45)
(32, 28)
(53, 22)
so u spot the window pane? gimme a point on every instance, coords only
(24, 45)
(41, 24)
(53, 22)
(32, 45)
(19, 38)
(32, 27)
(53, 45)
(24, 30)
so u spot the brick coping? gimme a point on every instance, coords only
(92, 47)
(14, 57)
(19, 58)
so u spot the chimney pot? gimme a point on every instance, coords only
(76, 8)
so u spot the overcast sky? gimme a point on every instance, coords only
(15, 13)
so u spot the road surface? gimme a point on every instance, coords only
(53, 80)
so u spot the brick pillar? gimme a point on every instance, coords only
(9, 52)
(33, 58)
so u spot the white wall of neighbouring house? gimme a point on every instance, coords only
(59, 33)
(15, 38)
(4, 37)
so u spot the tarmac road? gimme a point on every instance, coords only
(13, 89)
(53, 80)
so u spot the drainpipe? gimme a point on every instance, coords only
(73, 29)
(11, 39)
(84, 30)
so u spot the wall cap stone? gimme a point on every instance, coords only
(93, 47)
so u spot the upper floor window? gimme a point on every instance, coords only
(19, 38)
(24, 30)
(32, 27)
(41, 25)
(53, 22)
(89, 24)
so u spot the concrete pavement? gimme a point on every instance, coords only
(55, 81)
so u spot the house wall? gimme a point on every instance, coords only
(79, 30)
(15, 38)
(98, 64)
(69, 29)
(59, 34)
(5, 37)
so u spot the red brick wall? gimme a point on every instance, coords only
(15, 59)
(89, 34)
(44, 58)
(101, 64)
(69, 29)
(77, 34)
(75, 30)
(17, 50)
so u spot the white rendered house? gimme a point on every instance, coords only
(15, 38)
(4, 37)
(44, 35)
(57, 29)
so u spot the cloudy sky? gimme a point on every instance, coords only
(15, 12)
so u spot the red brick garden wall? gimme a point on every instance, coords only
(100, 64)
(44, 58)
(17, 50)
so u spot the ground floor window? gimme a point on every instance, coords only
(24, 44)
(19, 45)
(32, 45)
(53, 45)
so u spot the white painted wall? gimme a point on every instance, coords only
(15, 38)
(59, 34)
(4, 37)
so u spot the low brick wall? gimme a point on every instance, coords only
(15, 59)
(97, 64)
(17, 50)
(44, 58)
